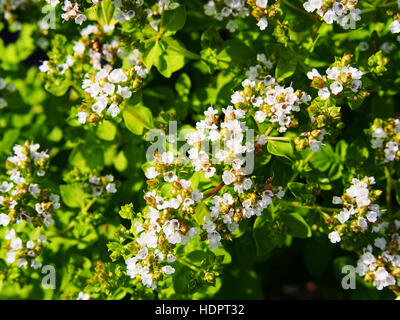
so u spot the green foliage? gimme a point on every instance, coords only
(92, 91)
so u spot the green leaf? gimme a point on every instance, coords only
(280, 148)
(151, 53)
(183, 84)
(301, 192)
(285, 68)
(174, 20)
(102, 13)
(234, 51)
(298, 227)
(72, 195)
(200, 212)
(126, 211)
(196, 256)
(106, 131)
(57, 86)
(262, 235)
(323, 160)
(137, 118)
(171, 60)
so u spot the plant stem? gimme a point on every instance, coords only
(279, 138)
(86, 207)
(215, 190)
(294, 176)
(187, 264)
(319, 208)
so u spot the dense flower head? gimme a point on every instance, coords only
(274, 103)
(106, 88)
(344, 12)
(359, 213)
(21, 196)
(385, 139)
(24, 254)
(341, 78)
(325, 120)
(379, 262)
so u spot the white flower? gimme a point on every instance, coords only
(343, 216)
(197, 195)
(80, 18)
(151, 173)
(142, 254)
(334, 237)
(83, 296)
(312, 5)
(170, 177)
(228, 177)
(232, 25)
(6, 186)
(124, 92)
(380, 243)
(324, 93)
(312, 74)
(315, 145)
(395, 26)
(215, 239)
(117, 75)
(167, 157)
(263, 23)
(262, 3)
(30, 244)
(113, 110)
(237, 98)
(110, 188)
(168, 270)
(4, 219)
(336, 200)
(260, 116)
(185, 183)
(171, 258)
(336, 87)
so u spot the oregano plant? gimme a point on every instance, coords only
(236, 149)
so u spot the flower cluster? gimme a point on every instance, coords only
(262, 11)
(163, 224)
(21, 196)
(379, 262)
(324, 120)
(261, 70)
(385, 139)
(220, 9)
(106, 89)
(100, 186)
(72, 10)
(340, 78)
(24, 254)
(126, 10)
(273, 102)
(343, 12)
(359, 213)
(174, 205)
